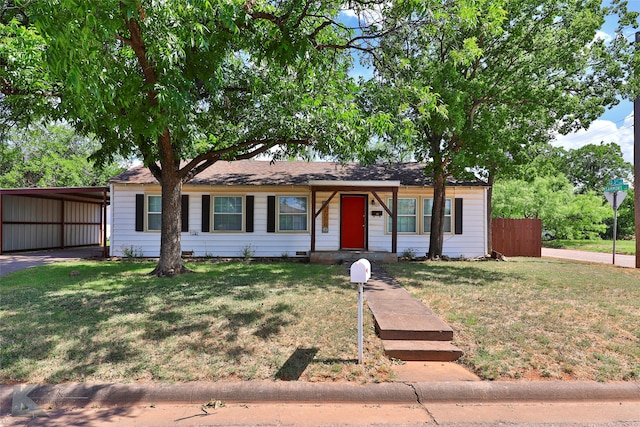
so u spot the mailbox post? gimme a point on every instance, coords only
(360, 274)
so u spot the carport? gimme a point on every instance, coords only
(53, 218)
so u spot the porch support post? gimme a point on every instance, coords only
(394, 215)
(313, 220)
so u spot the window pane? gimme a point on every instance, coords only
(227, 205)
(154, 204)
(292, 213)
(294, 205)
(428, 208)
(406, 206)
(426, 226)
(407, 221)
(293, 222)
(227, 213)
(154, 222)
(227, 222)
(447, 224)
(406, 224)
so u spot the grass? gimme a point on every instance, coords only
(625, 247)
(535, 318)
(226, 321)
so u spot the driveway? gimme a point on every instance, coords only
(19, 261)
(621, 260)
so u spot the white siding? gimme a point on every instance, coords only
(228, 244)
(123, 235)
(471, 243)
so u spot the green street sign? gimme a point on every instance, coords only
(616, 188)
(616, 182)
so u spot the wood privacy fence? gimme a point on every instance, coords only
(517, 237)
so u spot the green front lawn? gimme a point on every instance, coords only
(225, 321)
(532, 318)
(626, 247)
(522, 319)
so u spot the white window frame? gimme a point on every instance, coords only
(148, 212)
(426, 215)
(213, 213)
(389, 226)
(279, 214)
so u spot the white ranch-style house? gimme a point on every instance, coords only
(318, 210)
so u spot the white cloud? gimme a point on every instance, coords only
(601, 35)
(602, 131)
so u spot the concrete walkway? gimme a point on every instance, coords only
(621, 260)
(409, 330)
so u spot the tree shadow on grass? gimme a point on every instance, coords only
(91, 318)
(452, 274)
(296, 364)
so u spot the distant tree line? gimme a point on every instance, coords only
(565, 189)
(52, 155)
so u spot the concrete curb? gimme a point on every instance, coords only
(201, 392)
(539, 391)
(79, 395)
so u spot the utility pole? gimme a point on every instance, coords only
(636, 164)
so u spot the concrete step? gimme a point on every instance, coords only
(427, 327)
(431, 351)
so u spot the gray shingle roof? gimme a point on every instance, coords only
(256, 172)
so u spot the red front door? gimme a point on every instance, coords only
(353, 218)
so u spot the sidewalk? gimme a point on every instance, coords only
(299, 403)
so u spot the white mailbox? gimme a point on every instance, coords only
(360, 271)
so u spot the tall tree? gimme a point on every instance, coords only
(591, 166)
(491, 62)
(185, 84)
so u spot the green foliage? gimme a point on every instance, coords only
(51, 156)
(564, 214)
(481, 84)
(184, 84)
(592, 166)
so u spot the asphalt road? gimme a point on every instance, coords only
(621, 260)
(21, 260)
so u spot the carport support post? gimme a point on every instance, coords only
(360, 327)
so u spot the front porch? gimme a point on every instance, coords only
(348, 257)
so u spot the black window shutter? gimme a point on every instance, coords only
(139, 212)
(271, 214)
(185, 213)
(458, 213)
(206, 213)
(248, 218)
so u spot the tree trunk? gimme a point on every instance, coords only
(490, 181)
(170, 262)
(436, 239)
